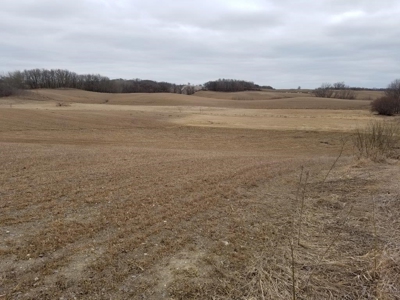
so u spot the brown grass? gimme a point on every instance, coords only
(260, 100)
(101, 201)
(377, 140)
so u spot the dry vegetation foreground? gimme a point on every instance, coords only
(193, 197)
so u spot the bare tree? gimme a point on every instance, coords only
(393, 89)
(338, 90)
(324, 91)
(11, 84)
(15, 79)
(339, 86)
(5, 89)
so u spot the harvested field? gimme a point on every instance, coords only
(193, 197)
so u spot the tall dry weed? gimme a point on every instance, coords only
(378, 140)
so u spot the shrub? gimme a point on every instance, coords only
(377, 140)
(386, 106)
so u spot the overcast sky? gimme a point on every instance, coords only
(282, 43)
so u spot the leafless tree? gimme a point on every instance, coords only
(339, 86)
(338, 90)
(324, 91)
(393, 89)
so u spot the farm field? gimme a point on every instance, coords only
(209, 196)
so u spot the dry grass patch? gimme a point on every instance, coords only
(339, 255)
(127, 204)
(378, 140)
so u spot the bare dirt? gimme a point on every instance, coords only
(193, 197)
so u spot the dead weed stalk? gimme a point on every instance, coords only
(379, 139)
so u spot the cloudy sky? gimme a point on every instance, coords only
(282, 43)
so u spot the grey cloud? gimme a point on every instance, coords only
(282, 43)
(44, 9)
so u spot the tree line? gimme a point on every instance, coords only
(59, 78)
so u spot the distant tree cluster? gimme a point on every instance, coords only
(145, 86)
(230, 85)
(267, 87)
(57, 78)
(337, 90)
(389, 104)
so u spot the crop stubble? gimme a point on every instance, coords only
(121, 203)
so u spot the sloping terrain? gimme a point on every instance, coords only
(255, 100)
(128, 199)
